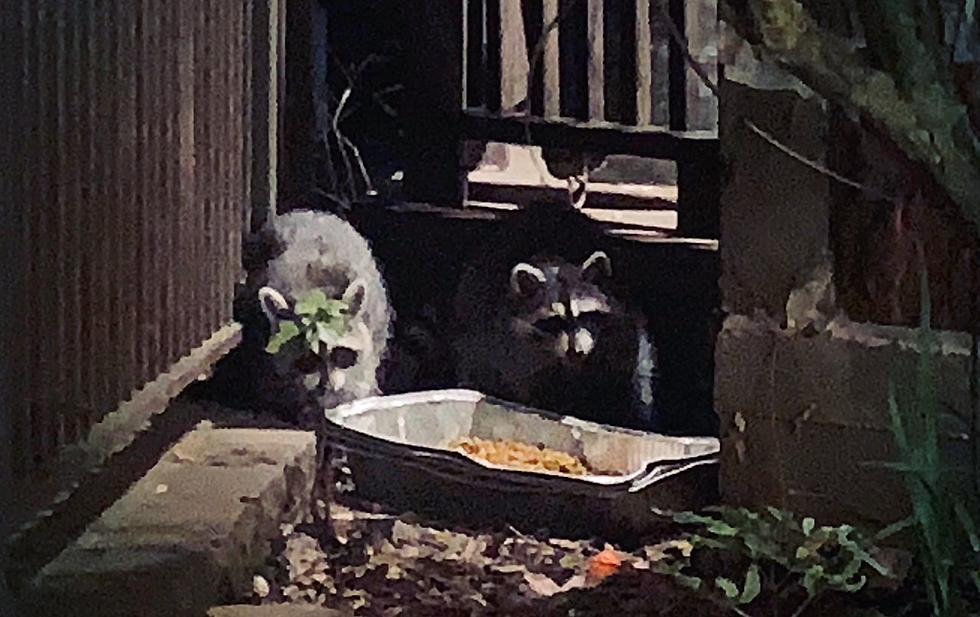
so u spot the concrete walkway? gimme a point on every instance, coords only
(189, 535)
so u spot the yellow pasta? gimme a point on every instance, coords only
(520, 455)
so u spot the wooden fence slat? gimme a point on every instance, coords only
(186, 207)
(47, 205)
(97, 285)
(551, 97)
(473, 57)
(492, 54)
(78, 110)
(573, 59)
(175, 284)
(157, 203)
(643, 64)
(677, 70)
(133, 200)
(26, 428)
(136, 179)
(596, 75)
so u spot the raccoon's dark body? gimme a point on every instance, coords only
(500, 351)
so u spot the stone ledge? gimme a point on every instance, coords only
(190, 533)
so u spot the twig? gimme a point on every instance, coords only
(802, 159)
(681, 43)
(535, 60)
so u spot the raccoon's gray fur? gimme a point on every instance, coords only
(538, 322)
(321, 251)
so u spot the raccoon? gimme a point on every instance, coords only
(315, 250)
(538, 322)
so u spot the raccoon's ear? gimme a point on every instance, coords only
(525, 279)
(274, 305)
(354, 296)
(596, 267)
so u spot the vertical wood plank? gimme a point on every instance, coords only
(244, 202)
(701, 28)
(628, 61)
(660, 52)
(164, 211)
(514, 57)
(677, 70)
(64, 351)
(78, 264)
(473, 55)
(493, 54)
(551, 97)
(174, 285)
(128, 264)
(532, 15)
(573, 58)
(144, 257)
(156, 202)
(47, 205)
(26, 371)
(643, 87)
(117, 354)
(596, 77)
(100, 145)
(618, 48)
(189, 298)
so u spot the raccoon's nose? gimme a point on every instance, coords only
(337, 380)
(582, 342)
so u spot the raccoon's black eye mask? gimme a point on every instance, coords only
(551, 325)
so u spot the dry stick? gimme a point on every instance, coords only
(535, 59)
(335, 124)
(681, 43)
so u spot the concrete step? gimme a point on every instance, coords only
(188, 535)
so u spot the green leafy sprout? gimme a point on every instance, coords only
(321, 320)
(780, 553)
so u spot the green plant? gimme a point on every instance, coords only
(948, 546)
(786, 560)
(320, 320)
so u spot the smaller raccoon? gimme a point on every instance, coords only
(553, 337)
(318, 251)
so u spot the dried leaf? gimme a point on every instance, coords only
(541, 584)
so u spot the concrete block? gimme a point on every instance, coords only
(190, 533)
(802, 417)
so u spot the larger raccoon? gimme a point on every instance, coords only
(319, 251)
(539, 323)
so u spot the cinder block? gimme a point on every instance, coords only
(803, 418)
(190, 533)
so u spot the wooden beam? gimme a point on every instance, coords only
(526, 194)
(606, 137)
